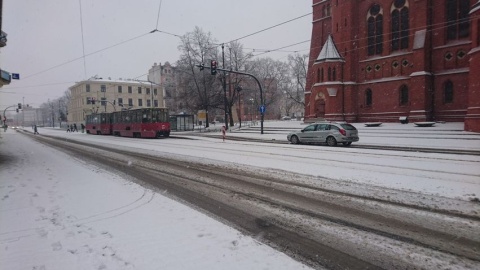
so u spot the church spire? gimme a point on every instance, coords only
(329, 52)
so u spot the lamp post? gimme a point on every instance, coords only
(251, 111)
(225, 88)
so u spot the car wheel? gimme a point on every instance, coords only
(295, 140)
(331, 141)
(347, 143)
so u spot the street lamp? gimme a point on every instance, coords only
(251, 111)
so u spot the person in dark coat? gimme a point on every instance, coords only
(35, 131)
(68, 128)
(75, 127)
(82, 126)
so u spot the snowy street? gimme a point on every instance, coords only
(60, 210)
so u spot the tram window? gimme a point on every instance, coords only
(147, 117)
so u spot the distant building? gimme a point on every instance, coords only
(376, 60)
(5, 76)
(166, 78)
(106, 95)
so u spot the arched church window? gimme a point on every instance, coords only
(400, 25)
(368, 98)
(375, 30)
(403, 95)
(448, 92)
(458, 25)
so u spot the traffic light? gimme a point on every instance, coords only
(19, 106)
(213, 67)
(17, 110)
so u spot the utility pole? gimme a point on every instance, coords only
(23, 112)
(225, 87)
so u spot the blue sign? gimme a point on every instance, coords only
(262, 109)
(15, 76)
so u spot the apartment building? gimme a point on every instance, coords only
(97, 95)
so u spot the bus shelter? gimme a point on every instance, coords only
(182, 122)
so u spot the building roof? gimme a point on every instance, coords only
(110, 81)
(329, 52)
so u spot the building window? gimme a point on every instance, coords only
(139, 90)
(148, 91)
(448, 92)
(103, 88)
(140, 102)
(103, 101)
(149, 103)
(403, 95)
(129, 89)
(119, 89)
(368, 98)
(318, 75)
(89, 100)
(334, 74)
(155, 103)
(88, 87)
(400, 25)
(120, 101)
(326, 11)
(375, 30)
(321, 75)
(130, 102)
(458, 25)
(329, 74)
(155, 91)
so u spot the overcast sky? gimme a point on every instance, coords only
(45, 37)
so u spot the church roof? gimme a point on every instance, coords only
(329, 52)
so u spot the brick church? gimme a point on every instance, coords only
(379, 60)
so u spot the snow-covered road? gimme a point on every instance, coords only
(57, 211)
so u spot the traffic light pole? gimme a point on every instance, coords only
(4, 113)
(225, 101)
(262, 112)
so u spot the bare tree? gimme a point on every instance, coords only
(236, 60)
(274, 77)
(298, 70)
(199, 89)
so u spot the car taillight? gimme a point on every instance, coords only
(344, 133)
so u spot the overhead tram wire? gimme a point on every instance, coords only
(89, 54)
(442, 26)
(83, 41)
(273, 50)
(158, 15)
(263, 30)
(268, 28)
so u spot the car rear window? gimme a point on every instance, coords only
(348, 127)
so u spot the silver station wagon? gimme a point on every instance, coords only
(330, 133)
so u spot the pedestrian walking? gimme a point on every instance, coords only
(75, 127)
(35, 131)
(68, 128)
(83, 127)
(223, 132)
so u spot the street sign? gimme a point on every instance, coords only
(262, 109)
(15, 76)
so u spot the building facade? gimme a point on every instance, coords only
(378, 60)
(105, 95)
(166, 78)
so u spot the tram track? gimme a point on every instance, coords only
(361, 146)
(287, 215)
